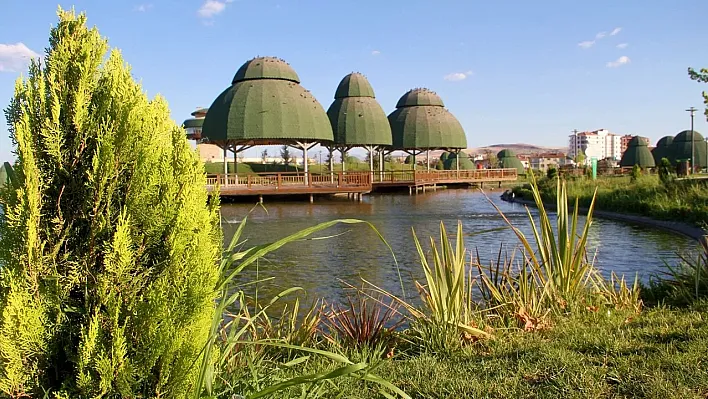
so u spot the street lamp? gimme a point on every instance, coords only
(692, 110)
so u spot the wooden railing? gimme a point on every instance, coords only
(433, 176)
(290, 180)
(299, 182)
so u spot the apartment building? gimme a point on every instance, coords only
(547, 160)
(598, 144)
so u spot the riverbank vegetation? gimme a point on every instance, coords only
(113, 282)
(684, 200)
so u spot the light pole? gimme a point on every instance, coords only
(575, 147)
(692, 110)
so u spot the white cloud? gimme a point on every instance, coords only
(623, 60)
(375, 52)
(615, 31)
(622, 45)
(15, 57)
(600, 35)
(143, 7)
(211, 8)
(586, 44)
(457, 76)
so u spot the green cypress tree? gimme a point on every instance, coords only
(108, 242)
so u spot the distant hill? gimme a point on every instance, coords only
(518, 148)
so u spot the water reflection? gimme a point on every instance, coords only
(356, 252)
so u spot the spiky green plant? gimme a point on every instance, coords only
(109, 243)
(559, 258)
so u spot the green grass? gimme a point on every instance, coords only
(680, 200)
(660, 353)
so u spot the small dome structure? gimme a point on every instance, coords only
(637, 153)
(356, 117)
(680, 148)
(507, 159)
(663, 149)
(193, 127)
(266, 105)
(465, 163)
(421, 122)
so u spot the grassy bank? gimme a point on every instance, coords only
(679, 200)
(657, 354)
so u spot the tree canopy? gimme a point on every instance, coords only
(108, 242)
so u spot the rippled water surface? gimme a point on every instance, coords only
(356, 252)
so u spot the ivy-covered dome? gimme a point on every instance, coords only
(637, 153)
(356, 117)
(421, 122)
(465, 163)
(505, 153)
(266, 105)
(681, 148)
(663, 149)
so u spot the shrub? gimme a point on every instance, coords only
(439, 165)
(636, 173)
(666, 173)
(552, 173)
(108, 242)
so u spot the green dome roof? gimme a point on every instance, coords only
(465, 163)
(665, 141)
(421, 96)
(681, 148)
(193, 122)
(505, 153)
(266, 68)
(685, 137)
(356, 117)
(354, 85)
(663, 149)
(511, 163)
(637, 153)
(266, 105)
(421, 122)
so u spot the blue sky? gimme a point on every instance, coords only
(513, 71)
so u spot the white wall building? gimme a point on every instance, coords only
(599, 144)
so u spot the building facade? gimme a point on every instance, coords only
(548, 160)
(599, 144)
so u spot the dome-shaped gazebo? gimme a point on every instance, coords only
(463, 163)
(681, 148)
(637, 153)
(663, 150)
(357, 119)
(507, 159)
(266, 105)
(421, 123)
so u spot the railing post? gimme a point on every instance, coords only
(308, 181)
(339, 179)
(278, 181)
(248, 181)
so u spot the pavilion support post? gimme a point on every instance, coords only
(305, 147)
(260, 199)
(226, 166)
(371, 160)
(235, 165)
(457, 163)
(427, 160)
(331, 164)
(381, 163)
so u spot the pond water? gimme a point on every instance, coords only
(355, 251)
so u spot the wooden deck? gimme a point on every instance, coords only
(293, 183)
